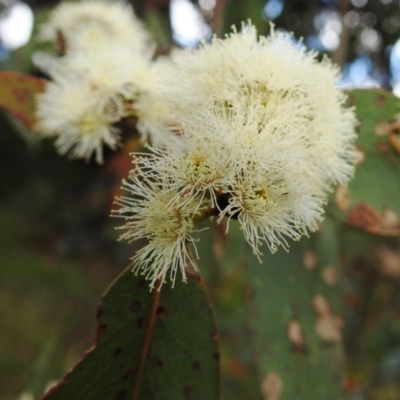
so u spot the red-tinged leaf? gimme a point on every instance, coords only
(17, 95)
(149, 345)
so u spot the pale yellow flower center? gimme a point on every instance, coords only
(257, 90)
(166, 225)
(197, 168)
(88, 125)
(258, 197)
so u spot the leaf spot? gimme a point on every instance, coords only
(389, 261)
(141, 283)
(215, 356)
(383, 147)
(121, 394)
(159, 362)
(364, 216)
(382, 128)
(117, 351)
(295, 335)
(102, 328)
(330, 275)
(214, 336)
(195, 365)
(358, 156)
(127, 373)
(390, 220)
(297, 389)
(328, 327)
(321, 305)
(342, 198)
(162, 311)
(272, 386)
(310, 261)
(380, 101)
(139, 322)
(187, 390)
(135, 306)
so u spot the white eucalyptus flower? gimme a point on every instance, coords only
(70, 111)
(95, 24)
(291, 91)
(197, 166)
(116, 74)
(259, 134)
(152, 109)
(91, 91)
(154, 212)
(266, 202)
(263, 181)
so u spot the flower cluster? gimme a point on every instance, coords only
(277, 82)
(245, 128)
(261, 136)
(104, 69)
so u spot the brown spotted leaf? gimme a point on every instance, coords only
(295, 319)
(223, 264)
(371, 295)
(17, 95)
(371, 200)
(149, 345)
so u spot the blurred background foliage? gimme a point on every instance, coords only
(58, 251)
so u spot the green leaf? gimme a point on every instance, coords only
(149, 345)
(371, 200)
(17, 95)
(222, 262)
(295, 321)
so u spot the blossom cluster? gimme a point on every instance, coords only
(261, 136)
(246, 128)
(104, 67)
